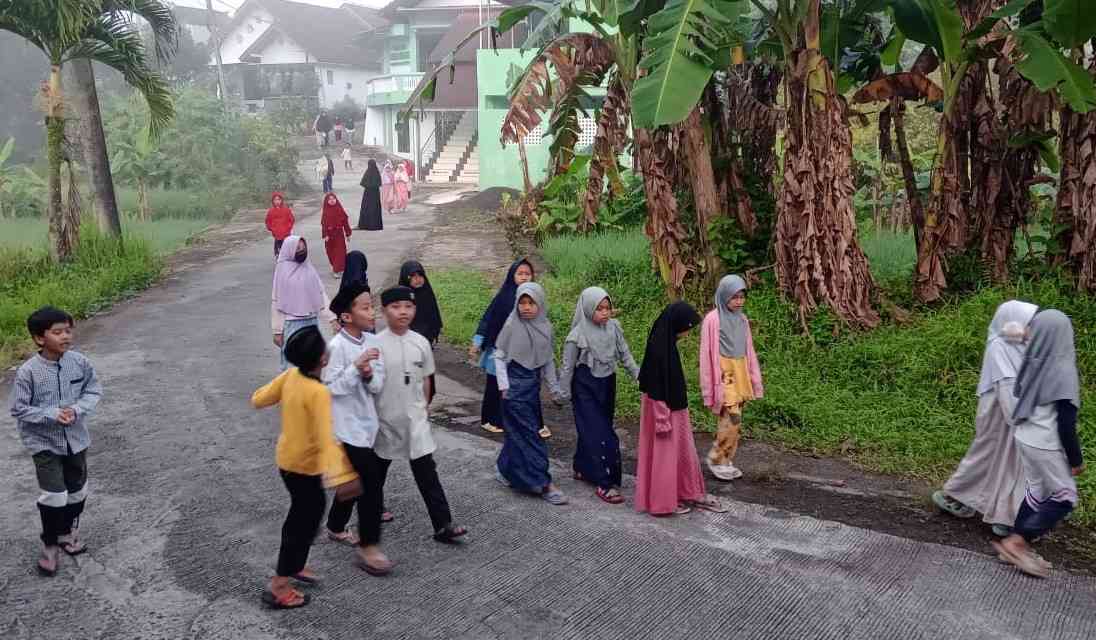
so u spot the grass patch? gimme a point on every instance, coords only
(897, 400)
(103, 271)
(162, 235)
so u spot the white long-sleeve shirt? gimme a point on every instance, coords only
(353, 407)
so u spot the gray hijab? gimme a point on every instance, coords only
(528, 342)
(732, 324)
(1049, 372)
(597, 343)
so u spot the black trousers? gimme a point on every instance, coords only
(371, 470)
(277, 248)
(307, 503)
(491, 407)
(1030, 524)
(66, 475)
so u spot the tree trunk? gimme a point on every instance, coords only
(663, 224)
(524, 167)
(698, 157)
(1076, 211)
(818, 258)
(913, 195)
(62, 235)
(142, 200)
(612, 129)
(94, 145)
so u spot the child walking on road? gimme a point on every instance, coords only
(404, 432)
(1047, 400)
(336, 231)
(348, 157)
(730, 375)
(52, 396)
(668, 476)
(591, 354)
(305, 449)
(279, 221)
(355, 375)
(298, 298)
(524, 358)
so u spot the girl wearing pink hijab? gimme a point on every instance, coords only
(298, 298)
(403, 191)
(388, 187)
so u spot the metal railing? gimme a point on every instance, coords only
(393, 82)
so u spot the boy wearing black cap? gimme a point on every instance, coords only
(404, 427)
(305, 446)
(355, 375)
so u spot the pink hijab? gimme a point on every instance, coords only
(298, 290)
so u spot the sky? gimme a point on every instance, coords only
(231, 5)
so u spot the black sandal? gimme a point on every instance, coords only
(449, 534)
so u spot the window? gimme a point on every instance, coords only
(403, 138)
(330, 77)
(349, 86)
(252, 107)
(399, 52)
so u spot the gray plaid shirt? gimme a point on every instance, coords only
(41, 388)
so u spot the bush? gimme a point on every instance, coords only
(898, 400)
(102, 271)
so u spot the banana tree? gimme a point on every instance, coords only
(66, 30)
(971, 140)
(818, 257)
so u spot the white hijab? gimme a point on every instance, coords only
(1005, 343)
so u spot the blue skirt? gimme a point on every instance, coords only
(597, 452)
(523, 460)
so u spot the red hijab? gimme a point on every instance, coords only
(333, 216)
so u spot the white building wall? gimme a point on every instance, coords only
(345, 81)
(282, 50)
(245, 34)
(374, 126)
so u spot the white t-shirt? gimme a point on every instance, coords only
(346, 153)
(353, 409)
(404, 426)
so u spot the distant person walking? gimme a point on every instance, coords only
(322, 126)
(338, 130)
(348, 158)
(370, 216)
(298, 297)
(409, 167)
(401, 193)
(388, 187)
(328, 172)
(279, 220)
(336, 231)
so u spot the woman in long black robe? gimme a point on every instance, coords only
(369, 218)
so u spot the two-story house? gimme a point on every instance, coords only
(274, 50)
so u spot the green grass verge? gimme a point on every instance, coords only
(898, 400)
(162, 236)
(102, 272)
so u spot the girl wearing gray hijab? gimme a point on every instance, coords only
(1048, 395)
(730, 374)
(591, 354)
(989, 479)
(524, 358)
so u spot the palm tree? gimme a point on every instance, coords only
(101, 31)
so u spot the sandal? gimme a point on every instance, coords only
(310, 579)
(710, 503)
(377, 570)
(1027, 562)
(344, 537)
(950, 505)
(545, 433)
(71, 545)
(682, 509)
(554, 497)
(291, 599)
(610, 495)
(449, 534)
(388, 516)
(490, 428)
(48, 562)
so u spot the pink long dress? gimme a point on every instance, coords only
(388, 189)
(402, 193)
(667, 467)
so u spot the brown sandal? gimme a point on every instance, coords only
(711, 504)
(48, 562)
(291, 599)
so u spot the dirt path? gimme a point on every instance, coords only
(821, 487)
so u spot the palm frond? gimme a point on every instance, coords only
(50, 25)
(160, 18)
(119, 46)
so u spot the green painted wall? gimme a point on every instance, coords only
(501, 167)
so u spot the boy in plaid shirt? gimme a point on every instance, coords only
(53, 393)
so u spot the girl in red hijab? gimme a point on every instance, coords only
(279, 220)
(336, 229)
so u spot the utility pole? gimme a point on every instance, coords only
(215, 33)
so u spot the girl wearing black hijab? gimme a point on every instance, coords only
(356, 270)
(369, 218)
(427, 320)
(668, 475)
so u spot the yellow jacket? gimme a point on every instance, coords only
(306, 444)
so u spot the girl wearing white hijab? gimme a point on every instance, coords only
(591, 354)
(1048, 396)
(524, 357)
(730, 374)
(989, 479)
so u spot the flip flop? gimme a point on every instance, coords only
(313, 581)
(286, 601)
(554, 497)
(950, 505)
(346, 537)
(682, 509)
(373, 570)
(72, 546)
(47, 563)
(612, 496)
(711, 504)
(450, 534)
(1024, 562)
(388, 516)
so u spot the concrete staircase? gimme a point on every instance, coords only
(458, 160)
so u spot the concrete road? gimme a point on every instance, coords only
(185, 509)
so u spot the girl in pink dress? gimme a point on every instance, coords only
(403, 191)
(388, 187)
(668, 476)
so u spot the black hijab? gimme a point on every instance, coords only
(499, 310)
(661, 376)
(372, 177)
(427, 320)
(355, 271)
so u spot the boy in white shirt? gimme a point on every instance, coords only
(401, 405)
(355, 374)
